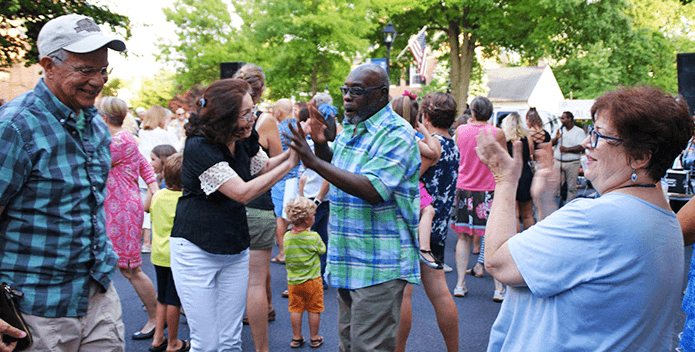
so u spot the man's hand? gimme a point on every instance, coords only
(504, 169)
(7, 329)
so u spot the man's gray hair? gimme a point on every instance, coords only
(323, 98)
(59, 55)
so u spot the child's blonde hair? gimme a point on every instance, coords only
(298, 209)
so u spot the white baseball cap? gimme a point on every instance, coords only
(76, 34)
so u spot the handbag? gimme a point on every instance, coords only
(11, 315)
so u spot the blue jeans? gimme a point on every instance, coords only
(212, 289)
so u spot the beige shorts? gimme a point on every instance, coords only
(101, 330)
(261, 228)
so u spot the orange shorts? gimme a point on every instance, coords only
(307, 296)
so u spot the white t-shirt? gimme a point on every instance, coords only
(569, 138)
(602, 274)
(152, 138)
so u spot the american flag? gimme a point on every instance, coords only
(418, 48)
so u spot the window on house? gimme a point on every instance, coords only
(414, 77)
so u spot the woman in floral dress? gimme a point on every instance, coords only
(124, 208)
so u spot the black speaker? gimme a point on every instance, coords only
(686, 78)
(228, 69)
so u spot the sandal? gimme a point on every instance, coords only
(297, 343)
(434, 264)
(316, 342)
(276, 259)
(185, 346)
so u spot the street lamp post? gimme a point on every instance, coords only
(389, 36)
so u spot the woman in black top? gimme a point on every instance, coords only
(514, 130)
(535, 128)
(210, 237)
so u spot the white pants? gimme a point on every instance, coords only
(212, 289)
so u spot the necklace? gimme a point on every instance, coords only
(642, 185)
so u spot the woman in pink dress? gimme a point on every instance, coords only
(124, 208)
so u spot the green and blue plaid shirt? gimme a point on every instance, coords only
(373, 244)
(52, 185)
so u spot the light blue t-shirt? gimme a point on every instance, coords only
(603, 274)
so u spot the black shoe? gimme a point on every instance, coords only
(436, 264)
(161, 348)
(146, 336)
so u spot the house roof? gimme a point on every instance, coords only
(513, 83)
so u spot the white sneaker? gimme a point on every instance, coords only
(498, 296)
(145, 249)
(460, 291)
(448, 269)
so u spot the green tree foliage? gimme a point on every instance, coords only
(157, 90)
(644, 55)
(206, 38)
(21, 21)
(307, 44)
(532, 28)
(303, 46)
(111, 87)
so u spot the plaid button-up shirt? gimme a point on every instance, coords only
(52, 185)
(373, 244)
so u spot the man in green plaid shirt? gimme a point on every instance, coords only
(375, 207)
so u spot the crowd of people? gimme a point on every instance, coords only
(363, 205)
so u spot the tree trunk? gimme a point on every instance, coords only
(461, 58)
(314, 79)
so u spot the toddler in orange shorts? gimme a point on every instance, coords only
(302, 250)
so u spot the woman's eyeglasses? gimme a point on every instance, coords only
(594, 137)
(249, 117)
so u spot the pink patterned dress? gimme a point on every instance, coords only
(124, 209)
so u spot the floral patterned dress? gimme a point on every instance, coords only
(124, 209)
(440, 183)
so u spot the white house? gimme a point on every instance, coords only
(516, 89)
(524, 87)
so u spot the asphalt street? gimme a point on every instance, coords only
(476, 312)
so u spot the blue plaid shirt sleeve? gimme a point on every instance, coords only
(15, 164)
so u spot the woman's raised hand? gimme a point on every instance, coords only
(504, 168)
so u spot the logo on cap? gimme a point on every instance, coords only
(88, 25)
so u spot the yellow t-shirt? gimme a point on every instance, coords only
(162, 212)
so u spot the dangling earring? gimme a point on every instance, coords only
(634, 176)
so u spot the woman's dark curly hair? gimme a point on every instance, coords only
(441, 108)
(218, 111)
(651, 124)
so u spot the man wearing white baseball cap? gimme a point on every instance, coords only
(54, 161)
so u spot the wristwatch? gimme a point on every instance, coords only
(317, 201)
